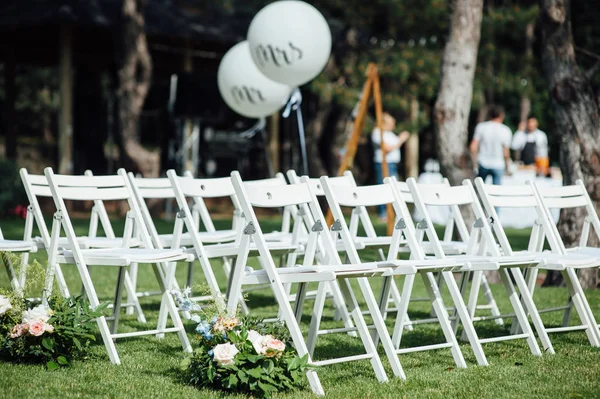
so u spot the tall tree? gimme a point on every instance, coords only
(451, 114)
(134, 70)
(577, 112)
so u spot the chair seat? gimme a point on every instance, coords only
(320, 273)
(126, 256)
(575, 259)
(519, 260)
(93, 242)
(18, 246)
(206, 237)
(449, 265)
(232, 249)
(449, 247)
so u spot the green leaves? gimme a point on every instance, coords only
(73, 323)
(254, 374)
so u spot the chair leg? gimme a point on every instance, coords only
(529, 305)
(401, 318)
(363, 330)
(12, 276)
(118, 299)
(135, 307)
(463, 315)
(340, 303)
(131, 298)
(582, 306)
(386, 287)
(463, 286)
(300, 298)
(171, 308)
(384, 335)
(315, 321)
(491, 301)
(108, 341)
(444, 319)
(473, 296)
(515, 301)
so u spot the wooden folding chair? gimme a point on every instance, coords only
(300, 196)
(108, 188)
(525, 197)
(482, 245)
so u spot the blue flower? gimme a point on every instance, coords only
(210, 353)
(186, 305)
(214, 320)
(203, 328)
(207, 335)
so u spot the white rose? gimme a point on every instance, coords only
(257, 341)
(39, 313)
(4, 304)
(223, 354)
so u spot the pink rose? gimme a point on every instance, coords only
(37, 328)
(18, 330)
(274, 347)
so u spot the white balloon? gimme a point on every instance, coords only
(290, 41)
(245, 89)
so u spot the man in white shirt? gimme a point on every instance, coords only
(490, 146)
(531, 146)
(391, 145)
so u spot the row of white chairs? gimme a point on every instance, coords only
(304, 234)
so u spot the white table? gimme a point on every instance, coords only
(518, 218)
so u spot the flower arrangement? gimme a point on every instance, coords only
(241, 355)
(53, 334)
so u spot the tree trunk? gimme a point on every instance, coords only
(577, 114)
(456, 90)
(134, 70)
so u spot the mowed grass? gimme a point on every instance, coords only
(150, 367)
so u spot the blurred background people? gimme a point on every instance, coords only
(531, 146)
(391, 145)
(490, 147)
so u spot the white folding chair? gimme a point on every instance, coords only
(300, 196)
(23, 247)
(108, 188)
(451, 246)
(160, 188)
(186, 188)
(37, 186)
(482, 245)
(572, 197)
(525, 196)
(404, 231)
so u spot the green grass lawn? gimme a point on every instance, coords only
(149, 367)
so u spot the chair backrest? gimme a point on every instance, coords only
(565, 197)
(481, 239)
(356, 197)
(95, 188)
(36, 186)
(521, 196)
(298, 196)
(454, 217)
(315, 183)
